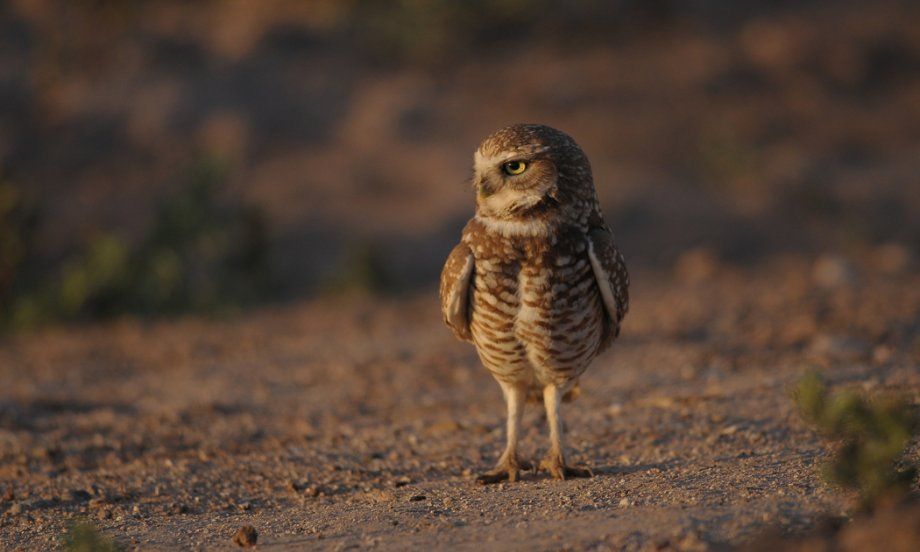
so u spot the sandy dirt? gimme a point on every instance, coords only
(356, 422)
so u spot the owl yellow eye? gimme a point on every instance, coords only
(514, 167)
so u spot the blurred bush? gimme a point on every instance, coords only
(723, 161)
(85, 537)
(427, 30)
(874, 433)
(430, 31)
(362, 271)
(18, 220)
(202, 253)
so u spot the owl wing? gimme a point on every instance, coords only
(456, 283)
(612, 280)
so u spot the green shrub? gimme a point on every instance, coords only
(725, 162)
(18, 219)
(874, 433)
(362, 270)
(428, 30)
(202, 253)
(84, 537)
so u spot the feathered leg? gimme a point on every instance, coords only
(554, 462)
(509, 464)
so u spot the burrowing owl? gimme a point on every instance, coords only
(536, 282)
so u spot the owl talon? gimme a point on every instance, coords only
(497, 476)
(505, 471)
(559, 470)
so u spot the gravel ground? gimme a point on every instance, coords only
(358, 422)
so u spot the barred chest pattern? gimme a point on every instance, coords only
(536, 314)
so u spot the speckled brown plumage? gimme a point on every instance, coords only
(536, 282)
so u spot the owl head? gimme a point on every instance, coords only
(528, 172)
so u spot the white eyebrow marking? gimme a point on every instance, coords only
(480, 161)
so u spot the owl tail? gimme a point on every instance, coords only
(573, 393)
(535, 395)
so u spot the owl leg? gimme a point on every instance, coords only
(509, 464)
(554, 462)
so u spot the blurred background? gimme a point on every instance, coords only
(160, 157)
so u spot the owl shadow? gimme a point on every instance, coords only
(534, 473)
(620, 469)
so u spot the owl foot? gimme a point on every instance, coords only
(557, 468)
(504, 471)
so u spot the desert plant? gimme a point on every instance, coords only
(85, 537)
(362, 270)
(428, 30)
(725, 161)
(203, 252)
(18, 218)
(874, 432)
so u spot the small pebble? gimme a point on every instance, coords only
(892, 258)
(246, 536)
(832, 271)
(79, 495)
